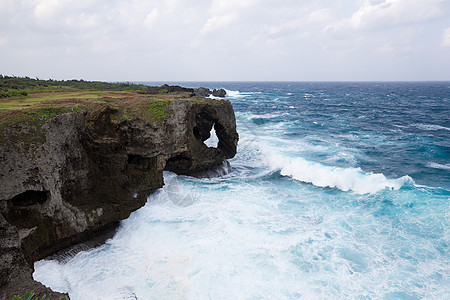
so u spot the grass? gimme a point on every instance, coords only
(35, 109)
(34, 100)
(158, 109)
(30, 295)
(41, 104)
(12, 86)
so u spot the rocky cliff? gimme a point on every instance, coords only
(74, 174)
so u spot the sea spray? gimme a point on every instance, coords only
(345, 179)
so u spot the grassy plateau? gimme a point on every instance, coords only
(33, 101)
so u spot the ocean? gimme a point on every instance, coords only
(339, 190)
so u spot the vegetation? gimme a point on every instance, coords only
(34, 101)
(158, 109)
(30, 295)
(13, 86)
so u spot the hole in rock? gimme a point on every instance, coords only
(30, 198)
(213, 140)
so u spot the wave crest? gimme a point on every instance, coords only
(431, 127)
(439, 166)
(345, 179)
(233, 93)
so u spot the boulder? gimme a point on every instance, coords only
(219, 93)
(202, 92)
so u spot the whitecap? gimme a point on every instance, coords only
(266, 116)
(430, 127)
(345, 179)
(233, 93)
(439, 166)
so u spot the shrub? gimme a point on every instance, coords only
(30, 295)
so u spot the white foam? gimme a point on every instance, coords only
(213, 140)
(221, 239)
(430, 127)
(214, 97)
(266, 116)
(233, 93)
(345, 179)
(439, 166)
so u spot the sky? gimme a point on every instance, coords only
(226, 40)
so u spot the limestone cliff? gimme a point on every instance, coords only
(78, 173)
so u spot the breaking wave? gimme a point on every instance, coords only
(345, 179)
(431, 127)
(233, 93)
(439, 166)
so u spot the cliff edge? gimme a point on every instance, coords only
(75, 165)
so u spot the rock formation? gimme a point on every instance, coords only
(200, 92)
(80, 173)
(219, 93)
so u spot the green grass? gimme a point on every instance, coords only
(158, 109)
(12, 86)
(40, 104)
(30, 295)
(33, 100)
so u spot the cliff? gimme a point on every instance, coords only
(74, 166)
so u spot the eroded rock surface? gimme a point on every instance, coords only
(84, 174)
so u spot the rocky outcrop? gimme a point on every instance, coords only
(80, 173)
(204, 92)
(200, 92)
(219, 93)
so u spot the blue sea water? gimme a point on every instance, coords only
(338, 191)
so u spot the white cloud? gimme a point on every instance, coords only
(445, 42)
(320, 16)
(224, 12)
(219, 21)
(152, 17)
(47, 9)
(384, 14)
(231, 39)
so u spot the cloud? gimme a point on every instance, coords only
(224, 12)
(445, 42)
(219, 21)
(231, 39)
(152, 17)
(320, 16)
(385, 14)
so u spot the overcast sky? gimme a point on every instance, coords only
(176, 40)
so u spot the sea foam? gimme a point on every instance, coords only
(345, 179)
(233, 93)
(431, 127)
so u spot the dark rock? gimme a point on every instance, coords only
(167, 89)
(15, 272)
(219, 93)
(174, 89)
(86, 175)
(202, 92)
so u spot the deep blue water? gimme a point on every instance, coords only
(338, 190)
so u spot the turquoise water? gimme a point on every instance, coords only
(338, 191)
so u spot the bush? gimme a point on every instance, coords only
(30, 295)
